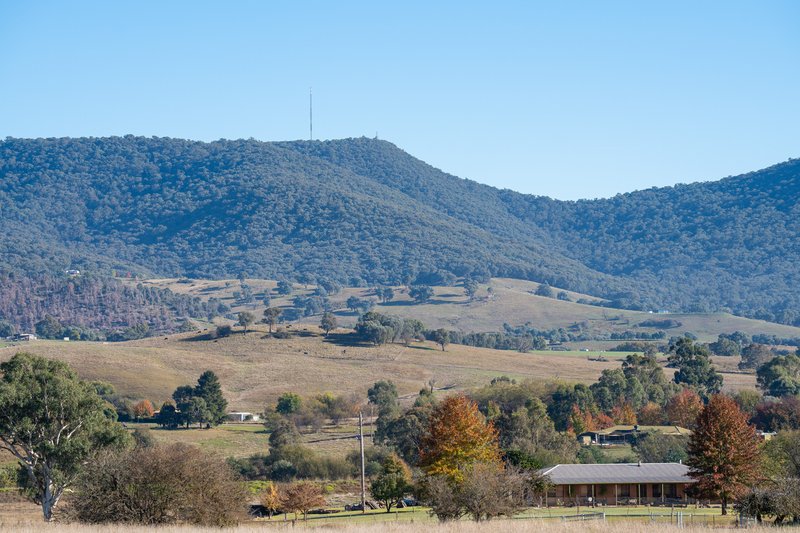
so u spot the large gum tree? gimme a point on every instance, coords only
(52, 422)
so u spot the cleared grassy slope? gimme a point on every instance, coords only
(254, 370)
(513, 303)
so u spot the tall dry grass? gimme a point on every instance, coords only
(495, 526)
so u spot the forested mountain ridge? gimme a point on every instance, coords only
(363, 211)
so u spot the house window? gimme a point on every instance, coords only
(671, 490)
(625, 491)
(602, 490)
(656, 490)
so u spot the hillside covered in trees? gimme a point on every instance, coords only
(93, 307)
(362, 211)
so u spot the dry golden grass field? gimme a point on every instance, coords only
(405, 522)
(513, 303)
(255, 370)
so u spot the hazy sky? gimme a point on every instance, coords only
(567, 99)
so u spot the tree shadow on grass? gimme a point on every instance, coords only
(209, 336)
(346, 339)
(407, 303)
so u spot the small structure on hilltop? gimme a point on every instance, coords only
(618, 484)
(628, 434)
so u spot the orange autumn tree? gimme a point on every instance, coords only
(458, 436)
(624, 414)
(723, 452)
(586, 420)
(651, 414)
(143, 409)
(683, 408)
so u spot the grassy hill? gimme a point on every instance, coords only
(362, 211)
(255, 370)
(513, 303)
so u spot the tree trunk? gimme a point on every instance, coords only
(724, 505)
(50, 500)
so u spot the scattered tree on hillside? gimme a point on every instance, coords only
(354, 303)
(470, 288)
(725, 347)
(328, 323)
(421, 293)
(284, 288)
(51, 423)
(755, 355)
(246, 319)
(723, 452)
(271, 315)
(544, 289)
(442, 337)
(385, 294)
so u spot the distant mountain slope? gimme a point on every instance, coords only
(364, 211)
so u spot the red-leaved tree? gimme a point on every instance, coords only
(723, 452)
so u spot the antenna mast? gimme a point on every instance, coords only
(310, 115)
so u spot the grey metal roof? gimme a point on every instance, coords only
(618, 473)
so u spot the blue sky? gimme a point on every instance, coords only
(566, 99)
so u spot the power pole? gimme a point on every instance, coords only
(363, 472)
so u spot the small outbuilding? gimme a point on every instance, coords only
(22, 337)
(618, 484)
(241, 416)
